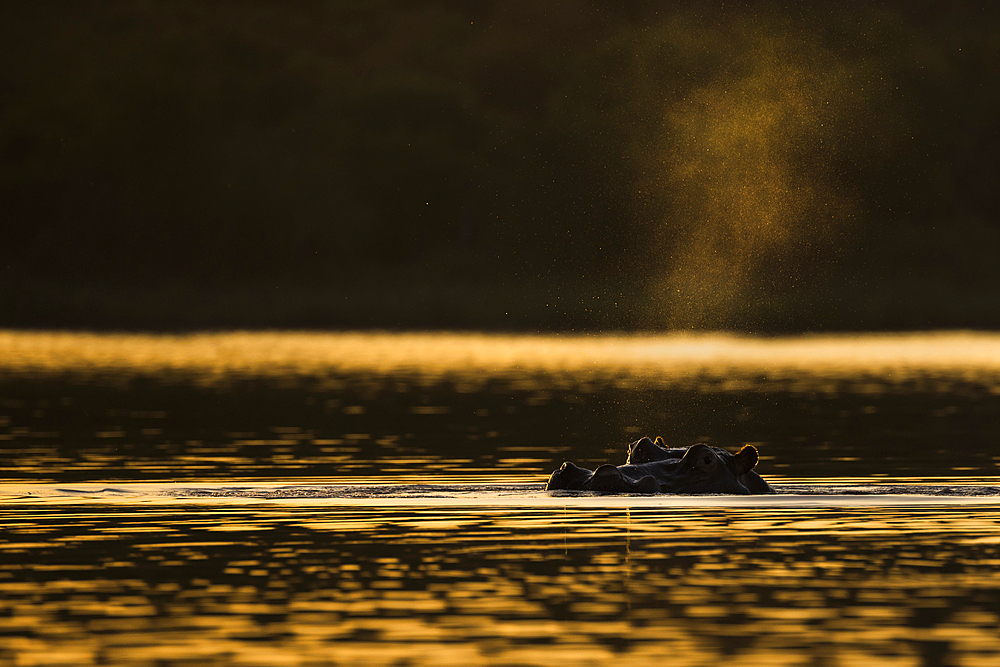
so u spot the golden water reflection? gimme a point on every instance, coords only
(176, 524)
(215, 355)
(121, 582)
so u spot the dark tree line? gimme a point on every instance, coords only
(743, 167)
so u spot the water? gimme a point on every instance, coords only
(263, 499)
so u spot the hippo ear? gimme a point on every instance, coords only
(746, 459)
(659, 442)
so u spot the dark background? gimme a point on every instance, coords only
(500, 164)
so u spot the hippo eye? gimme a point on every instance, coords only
(707, 460)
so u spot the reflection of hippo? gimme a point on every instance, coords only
(652, 468)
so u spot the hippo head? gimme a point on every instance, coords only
(704, 469)
(645, 450)
(653, 468)
(696, 469)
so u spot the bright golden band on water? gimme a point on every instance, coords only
(282, 353)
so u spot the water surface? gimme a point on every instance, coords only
(233, 406)
(377, 499)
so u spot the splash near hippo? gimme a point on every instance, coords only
(653, 468)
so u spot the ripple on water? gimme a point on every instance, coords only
(128, 582)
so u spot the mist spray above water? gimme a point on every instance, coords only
(748, 171)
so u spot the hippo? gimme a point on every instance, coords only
(653, 468)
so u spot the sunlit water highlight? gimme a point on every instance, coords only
(478, 582)
(377, 499)
(271, 354)
(821, 493)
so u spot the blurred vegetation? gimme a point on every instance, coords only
(513, 164)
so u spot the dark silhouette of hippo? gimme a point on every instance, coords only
(653, 468)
